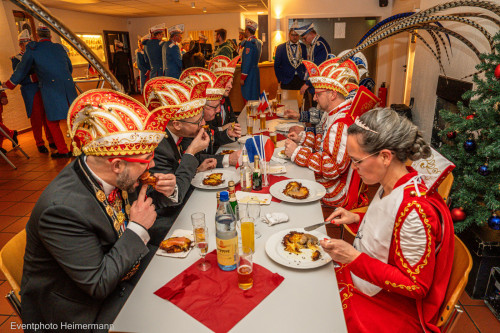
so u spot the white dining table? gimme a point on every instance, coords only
(306, 301)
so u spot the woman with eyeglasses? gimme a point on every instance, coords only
(394, 276)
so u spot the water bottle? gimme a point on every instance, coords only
(226, 235)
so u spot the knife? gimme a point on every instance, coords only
(315, 226)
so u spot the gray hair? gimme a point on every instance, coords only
(390, 131)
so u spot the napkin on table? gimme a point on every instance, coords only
(275, 218)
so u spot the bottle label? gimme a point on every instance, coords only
(248, 180)
(226, 251)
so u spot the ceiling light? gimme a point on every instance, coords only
(192, 5)
(260, 13)
(204, 9)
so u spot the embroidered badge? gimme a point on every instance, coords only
(247, 51)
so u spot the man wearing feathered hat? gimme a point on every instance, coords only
(222, 65)
(288, 66)
(325, 153)
(187, 103)
(171, 52)
(153, 50)
(142, 62)
(317, 52)
(250, 75)
(87, 235)
(32, 97)
(53, 69)
(218, 137)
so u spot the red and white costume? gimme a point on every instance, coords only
(326, 155)
(399, 281)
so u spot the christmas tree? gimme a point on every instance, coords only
(472, 139)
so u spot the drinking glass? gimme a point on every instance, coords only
(245, 270)
(250, 125)
(262, 121)
(274, 137)
(252, 209)
(264, 166)
(200, 232)
(247, 227)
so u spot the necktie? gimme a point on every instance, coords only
(178, 144)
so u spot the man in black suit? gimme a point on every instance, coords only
(87, 235)
(205, 48)
(226, 115)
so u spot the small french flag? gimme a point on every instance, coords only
(91, 70)
(258, 145)
(263, 102)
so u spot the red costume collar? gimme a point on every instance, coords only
(403, 180)
(44, 40)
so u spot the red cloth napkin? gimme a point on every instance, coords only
(271, 117)
(279, 136)
(272, 180)
(214, 298)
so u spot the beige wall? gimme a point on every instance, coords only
(14, 112)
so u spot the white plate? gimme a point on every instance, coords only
(276, 251)
(227, 175)
(280, 153)
(178, 233)
(285, 127)
(316, 190)
(244, 197)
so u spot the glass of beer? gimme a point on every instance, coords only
(274, 105)
(200, 232)
(245, 270)
(250, 122)
(274, 137)
(262, 121)
(249, 109)
(278, 97)
(247, 234)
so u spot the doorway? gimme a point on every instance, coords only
(111, 40)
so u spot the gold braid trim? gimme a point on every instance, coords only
(397, 228)
(402, 286)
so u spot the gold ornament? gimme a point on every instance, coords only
(127, 209)
(109, 210)
(121, 217)
(124, 195)
(100, 195)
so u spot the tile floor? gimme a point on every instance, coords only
(19, 190)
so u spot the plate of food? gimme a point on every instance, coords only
(285, 127)
(177, 245)
(226, 152)
(296, 248)
(215, 179)
(297, 190)
(280, 152)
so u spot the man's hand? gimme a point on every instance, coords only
(242, 82)
(290, 147)
(207, 164)
(340, 250)
(165, 183)
(143, 211)
(199, 143)
(292, 114)
(234, 131)
(234, 157)
(303, 89)
(294, 137)
(295, 129)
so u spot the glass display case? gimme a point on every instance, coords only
(94, 41)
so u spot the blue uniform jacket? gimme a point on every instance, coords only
(29, 88)
(152, 48)
(283, 69)
(250, 66)
(53, 69)
(142, 65)
(172, 59)
(317, 53)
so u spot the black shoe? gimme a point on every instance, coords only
(14, 137)
(59, 155)
(3, 150)
(42, 149)
(52, 145)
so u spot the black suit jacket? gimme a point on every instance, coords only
(74, 259)
(217, 139)
(283, 69)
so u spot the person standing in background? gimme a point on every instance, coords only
(171, 52)
(241, 38)
(288, 66)
(121, 66)
(53, 69)
(185, 46)
(32, 98)
(142, 62)
(205, 48)
(153, 51)
(225, 46)
(193, 57)
(317, 52)
(250, 76)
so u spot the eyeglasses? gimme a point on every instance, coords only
(358, 162)
(212, 107)
(319, 92)
(197, 123)
(134, 160)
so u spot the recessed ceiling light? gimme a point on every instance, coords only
(260, 13)
(81, 1)
(192, 5)
(204, 9)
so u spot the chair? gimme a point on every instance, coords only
(462, 264)
(11, 264)
(15, 145)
